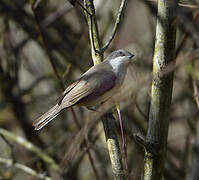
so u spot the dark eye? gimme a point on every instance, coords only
(121, 54)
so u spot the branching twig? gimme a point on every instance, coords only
(97, 57)
(109, 125)
(26, 169)
(115, 28)
(119, 15)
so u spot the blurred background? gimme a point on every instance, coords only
(30, 84)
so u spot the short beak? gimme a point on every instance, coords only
(131, 56)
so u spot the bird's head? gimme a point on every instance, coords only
(121, 55)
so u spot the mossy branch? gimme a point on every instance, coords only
(93, 32)
(161, 93)
(108, 123)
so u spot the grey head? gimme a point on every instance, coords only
(120, 53)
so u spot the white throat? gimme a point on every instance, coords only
(117, 63)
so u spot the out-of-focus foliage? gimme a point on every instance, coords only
(29, 86)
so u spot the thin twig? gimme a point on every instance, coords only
(97, 56)
(185, 35)
(34, 84)
(84, 8)
(29, 146)
(117, 22)
(140, 110)
(124, 144)
(97, 51)
(190, 6)
(44, 42)
(195, 92)
(185, 23)
(26, 169)
(11, 147)
(92, 161)
(56, 14)
(35, 3)
(86, 146)
(109, 125)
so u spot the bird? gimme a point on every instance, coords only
(94, 87)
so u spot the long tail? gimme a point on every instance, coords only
(47, 117)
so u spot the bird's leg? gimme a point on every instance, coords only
(94, 108)
(91, 108)
(123, 136)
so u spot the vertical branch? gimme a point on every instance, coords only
(93, 32)
(108, 121)
(161, 93)
(113, 146)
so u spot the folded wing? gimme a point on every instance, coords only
(89, 88)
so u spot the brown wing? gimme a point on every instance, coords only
(92, 84)
(68, 89)
(105, 80)
(91, 71)
(82, 89)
